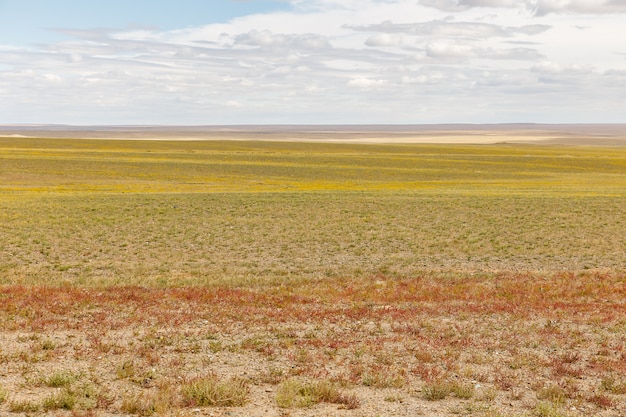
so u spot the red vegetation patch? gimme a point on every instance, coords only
(579, 297)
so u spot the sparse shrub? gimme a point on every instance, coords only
(62, 400)
(601, 400)
(86, 394)
(436, 390)
(394, 399)
(382, 377)
(503, 379)
(295, 393)
(427, 372)
(60, 379)
(24, 406)
(461, 390)
(125, 370)
(48, 345)
(552, 393)
(82, 396)
(566, 369)
(547, 409)
(143, 404)
(149, 403)
(611, 385)
(488, 394)
(211, 391)
(3, 394)
(271, 376)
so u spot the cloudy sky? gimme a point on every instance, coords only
(312, 61)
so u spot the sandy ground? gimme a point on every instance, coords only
(596, 134)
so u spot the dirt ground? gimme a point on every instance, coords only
(510, 345)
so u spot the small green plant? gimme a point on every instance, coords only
(488, 395)
(80, 396)
(60, 379)
(611, 385)
(461, 390)
(552, 393)
(143, 404)
(125, 370)
(23, 406)
(436, 390)
(382, 378)
(272, 376)
(65, 400)
(48, 344)
(149, 403)
(296, 393)
(547, 409)
(211, 391)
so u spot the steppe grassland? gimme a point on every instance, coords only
(488, 277)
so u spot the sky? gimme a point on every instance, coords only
(220, 62)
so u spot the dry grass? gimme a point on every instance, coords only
(300, 272)
(246, 239)
(211, 391)
(488, 337)
(297, 393)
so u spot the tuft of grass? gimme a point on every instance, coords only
(296, 393)
(81, 396)
(125, 370)
(547, 409)
(613, 386)
(436, 390)
(48, 344)
(60, 379)
(552, 393)
(271, 376)
(440, 389)
(488, 395)
(24, 406)
(463, 391)
(211, 391)
(4, 394)
(148, 403)
(65, 400)
(382, 378)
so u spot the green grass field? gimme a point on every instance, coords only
(101, 166)
(180, 213)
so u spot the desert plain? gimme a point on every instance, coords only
(460, 270)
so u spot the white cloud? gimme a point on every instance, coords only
(366, 83)
(544, 7)
(538, 7)
(449, 50)
(385, 39)
(333, 61)
(444, 28)
(462, 5)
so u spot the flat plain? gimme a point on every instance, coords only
(278, 277)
